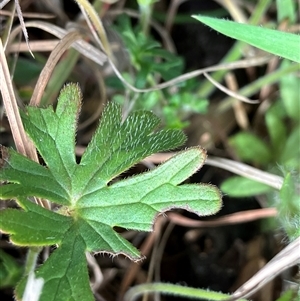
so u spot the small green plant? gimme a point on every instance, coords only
(151, 63)
(283, 148)
(282, 122)
(88, 204)
(10, 270)
(278, 149)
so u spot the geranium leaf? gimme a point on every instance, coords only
(90, 206)
(35, 226)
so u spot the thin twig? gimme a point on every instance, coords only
(19, 12)
(238, 168)
(22, 142)
(226, 66)
(80, 45)
(288, 257)
(230, 219)
(229, 92)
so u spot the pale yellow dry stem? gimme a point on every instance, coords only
(53, 59)
(3, 3)
(80, 45)
(247, 171)
(8, 27)
(27, 15)
(229, 92)
(238, 168)
(232, 6)
(96, 21)
(40, 46)
(238, 108)
(20, 15)
(22, 142)
(256, 61)
(288, 257)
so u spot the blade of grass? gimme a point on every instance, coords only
(7, 28)
(96, 21)
(60, 74)
(206, 88)
(280, 43)
(22, 142)
(54, 57)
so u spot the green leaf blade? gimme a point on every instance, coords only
(54, 133)
(174, 171)
(22, 173)
(35, 226)
(65, 273)
(101, 238)
(276, 42)
(138, 200)
(288, 207)
(92, 207)
(122, 146)
(200, 199)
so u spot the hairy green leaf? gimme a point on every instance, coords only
(288, 207)
(88, 204)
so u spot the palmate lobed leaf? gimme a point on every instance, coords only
(90, 206)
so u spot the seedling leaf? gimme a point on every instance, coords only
(88, 205)
(242, 187)
(250, 147)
